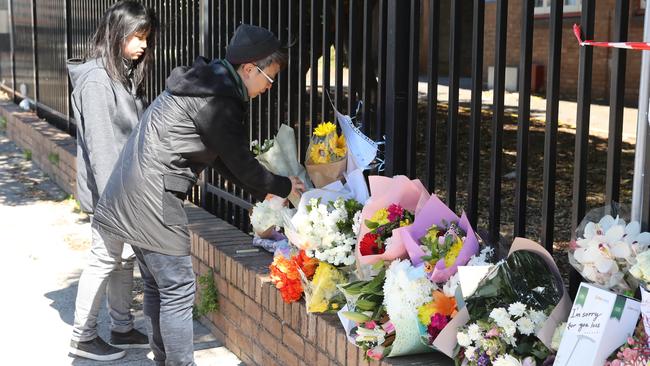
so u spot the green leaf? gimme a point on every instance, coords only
(355, 316)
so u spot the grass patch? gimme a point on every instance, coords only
(27, 154)
(208, 301)
(3, 123)
(53, 158)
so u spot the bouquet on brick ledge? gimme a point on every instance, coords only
(405, 197)
(326, 155)
(268, 216)
(286, 272)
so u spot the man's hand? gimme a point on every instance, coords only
(297, 186)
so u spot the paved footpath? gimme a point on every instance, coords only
(44, 242)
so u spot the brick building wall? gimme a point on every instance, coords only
(604, 23)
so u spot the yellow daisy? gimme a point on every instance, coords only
(324, 129)
(318, 154)
(338, 146)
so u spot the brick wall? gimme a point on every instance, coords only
(254, 322)
(53, 151)
(604, 22)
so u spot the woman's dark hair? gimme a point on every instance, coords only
(120, 21)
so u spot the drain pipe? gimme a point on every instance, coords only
(638, 195)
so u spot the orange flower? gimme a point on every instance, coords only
(285, 276)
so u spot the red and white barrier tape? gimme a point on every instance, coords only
(627, 45)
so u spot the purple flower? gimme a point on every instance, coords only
(483, 360)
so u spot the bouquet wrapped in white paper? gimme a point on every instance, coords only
(281, 157)
(268, 215)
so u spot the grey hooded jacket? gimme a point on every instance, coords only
(106, 113)
(198, 121)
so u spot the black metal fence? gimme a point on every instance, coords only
(369, 50)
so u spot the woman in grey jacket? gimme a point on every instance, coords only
(108, 101)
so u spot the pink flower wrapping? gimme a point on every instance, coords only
(434, 211)
(384, 191)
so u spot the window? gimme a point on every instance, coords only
(570, 6)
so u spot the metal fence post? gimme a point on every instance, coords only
(396, 86)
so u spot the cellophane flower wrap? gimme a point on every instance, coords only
(606, 248)
(641, 272)
(403, 193)
(321, 292)
(439, 239)
(364, 317)
(515, 309)
(381, 226)
(635, 351)
(326, 155)
(286, 273)
(280, 156)
(268, 215)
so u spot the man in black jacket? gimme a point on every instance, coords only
(198, 121)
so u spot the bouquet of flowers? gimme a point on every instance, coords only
(606, 250)
(505, 337)
(636, 351)
(641, 272)
(321, 293)
(434, 315)
(381, 226)
(406, 197)
(440, 239)
(326, 155)
(268, 216)
(327, 230)
(280, 156)
(286, 272)
(364, 317)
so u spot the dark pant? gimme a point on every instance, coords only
(168, 298)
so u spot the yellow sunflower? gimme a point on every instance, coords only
(324, 129)
(338, 146)
(318, 154)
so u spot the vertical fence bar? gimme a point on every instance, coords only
(367, 68)
(523, 121)
(476, 115)
(338, 77)
(396, 85)
(497, 122)
(432, 92)
(327, 43)
(550, 133)
(302, 61)
(354, 54)
(412, 103)
(381, 67)
(616, 97)
(313, 64)
(582, 131)
(452, 121)
(282, 77)
(35, 55)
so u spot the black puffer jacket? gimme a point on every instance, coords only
(196, 122)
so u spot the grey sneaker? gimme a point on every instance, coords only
(96, 349)
(131, 339)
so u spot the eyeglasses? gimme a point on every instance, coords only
(263, 73)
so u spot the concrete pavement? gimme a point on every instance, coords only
(44, 244)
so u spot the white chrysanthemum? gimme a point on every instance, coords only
(269, 213)
(470, 353)
(406, 288)
(500, 316)
(537, 317)
(525, 326)
(449, 288)
(463, 339)
(509, 328)
(517, 309)
(506, 360)
(482, 258)
(474, 332)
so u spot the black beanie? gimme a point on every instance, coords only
(251, 43)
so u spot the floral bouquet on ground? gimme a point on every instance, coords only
(440, 239)
(636, 351)
(405, 197)
(528, 276)
(280, 156)
(286, 272)
(267, 217)
(505, 337)
(326, 155)
(605, 250)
